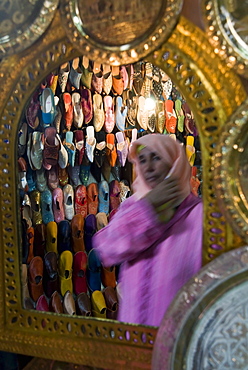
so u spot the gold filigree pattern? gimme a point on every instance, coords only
(190, 61)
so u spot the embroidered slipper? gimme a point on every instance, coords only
(51, 148)
(70, 147)
(22, 139)
(81, 200)
(107, 79)
(68, 110)
(63, 75)
(87, 105)
(111, 152)
(132, 105)
(68, 194)
(64, 236)
(92, 198)
(100, 149)
(122, 148)
(138, 78)
(180, 115)
(89, 231)
(121, 113)
(36, 151)
(190, 149)
(117, 81)
(51, 237)
(46, 209)
(130, 72)
(58, 207)
(87, 73)
(75, 73)
(142, 114)
(160, 122)
(101, 220)
(83, 305)
(78, 116)
(93, 272)
(111, 299)
(103, 197)
(32, 112)
(80, 146)
(189, 121)
(97, 82)
(74, 175)
(98, 304)
(47, 105)
(63, 154)
(152, 119)
(79, 272)
(125, 191)
(77, 233)
(99, 116)
(114, 195)
(156, 83)
(194, 181)
(90, 143)
(109, 122)
(65, 272)
(124, 76)
(171, 119)
(108, 276)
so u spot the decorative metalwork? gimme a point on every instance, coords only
(23, 22)
(206, 326)
(118, 32)
(227, 29)
(231, 170)
(190, 61)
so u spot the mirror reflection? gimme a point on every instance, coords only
(111, 216)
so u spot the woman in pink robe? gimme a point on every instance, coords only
(156, 235)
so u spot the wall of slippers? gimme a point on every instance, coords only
(74, 172)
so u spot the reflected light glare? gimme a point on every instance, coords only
(150, 104)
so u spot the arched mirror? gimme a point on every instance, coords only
(185, 60)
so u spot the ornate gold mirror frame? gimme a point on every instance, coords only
(200, 75)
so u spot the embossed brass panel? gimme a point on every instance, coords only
(206, 327)
(23, 22)
(119, 32)
(231, 171)
(226, 22)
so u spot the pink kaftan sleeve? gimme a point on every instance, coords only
(133, 229)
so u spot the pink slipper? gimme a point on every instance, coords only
(122, 148)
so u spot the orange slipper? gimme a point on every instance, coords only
(111, 152)
(171, 119)
(117, 81)
(194, 181)
(92, 198)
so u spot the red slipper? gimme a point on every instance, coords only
(51, 148)
(81, 200)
